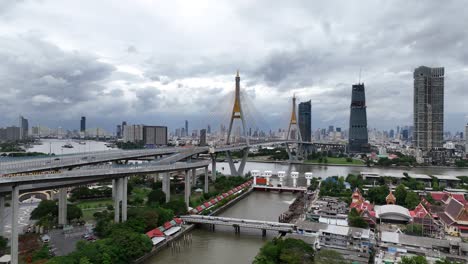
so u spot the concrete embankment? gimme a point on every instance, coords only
(188, 228)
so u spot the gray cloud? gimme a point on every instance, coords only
(65, 64)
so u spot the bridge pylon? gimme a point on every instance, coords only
(237, 113)
(295, 150)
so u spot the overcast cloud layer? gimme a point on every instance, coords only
(161, 62)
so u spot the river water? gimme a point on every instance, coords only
(223, 245)
(55, 146)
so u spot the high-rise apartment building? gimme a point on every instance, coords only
(155, 135)
(24, 128)
(305, 122)
(203, 137)
(358, 136)
(466, 138)
(428, 108)
(83, 124)
(186, 128)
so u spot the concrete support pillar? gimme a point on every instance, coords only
(167, 186)
(14, 224)
(155, 177)
(187, 188)
(213, 168)
(113, 188)
(206, 179)
(240, 171)
(62, 207)
(232, 168)
(194, 177)
(117, 201)
(123, 184)
(2, 214)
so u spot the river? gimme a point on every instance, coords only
(55, 146)
(223, 245)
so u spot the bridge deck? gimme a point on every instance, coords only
(100, 171)
(245, 223)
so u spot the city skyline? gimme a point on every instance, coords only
(127, 74)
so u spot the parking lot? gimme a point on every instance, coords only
(63, 244)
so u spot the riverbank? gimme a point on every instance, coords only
(285, 162)
(188, 228)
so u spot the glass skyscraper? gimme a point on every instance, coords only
(305, 122)
(358, 137)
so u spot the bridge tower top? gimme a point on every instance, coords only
(293, 126)
(237, 112)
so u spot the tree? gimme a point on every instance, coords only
(156, 197)
(178, 207)
(45, 208)
(73, 212)
(326, 256)
(446, 261)
(412, 200)
(132, 245)
(378, 195)
(287, 250)
(3, 244)
(400, 194)
(85, 260)
(355, 220)
(106, 259)
(413, 260)
(413, 229)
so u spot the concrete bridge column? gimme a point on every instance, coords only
(187, 188)
(62, 207)
(113, 188)
(167, 186)
(123, 184)
(14, 224)
(206, 179)
(194, 177)
(213, 168)
(2, 214)
(118, 193)
(240, 171)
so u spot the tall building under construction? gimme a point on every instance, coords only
(428, 108)
(358, 137)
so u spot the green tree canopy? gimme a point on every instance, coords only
(327, 256)
(290, 251)
(355, 220)
(413, 260)
(156, 197)
(377, 195)
(412, 200)
(400, 194)
(45, 208)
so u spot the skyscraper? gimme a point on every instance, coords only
(428, 108)
(203, 137)
(24, 127)
(305, 124)
(186, 128)
(466, 139)
(83, 124)
(358, 137)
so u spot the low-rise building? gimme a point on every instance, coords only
(398, 244)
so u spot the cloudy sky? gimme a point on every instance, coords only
(161, 62)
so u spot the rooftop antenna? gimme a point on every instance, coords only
(360, 68)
